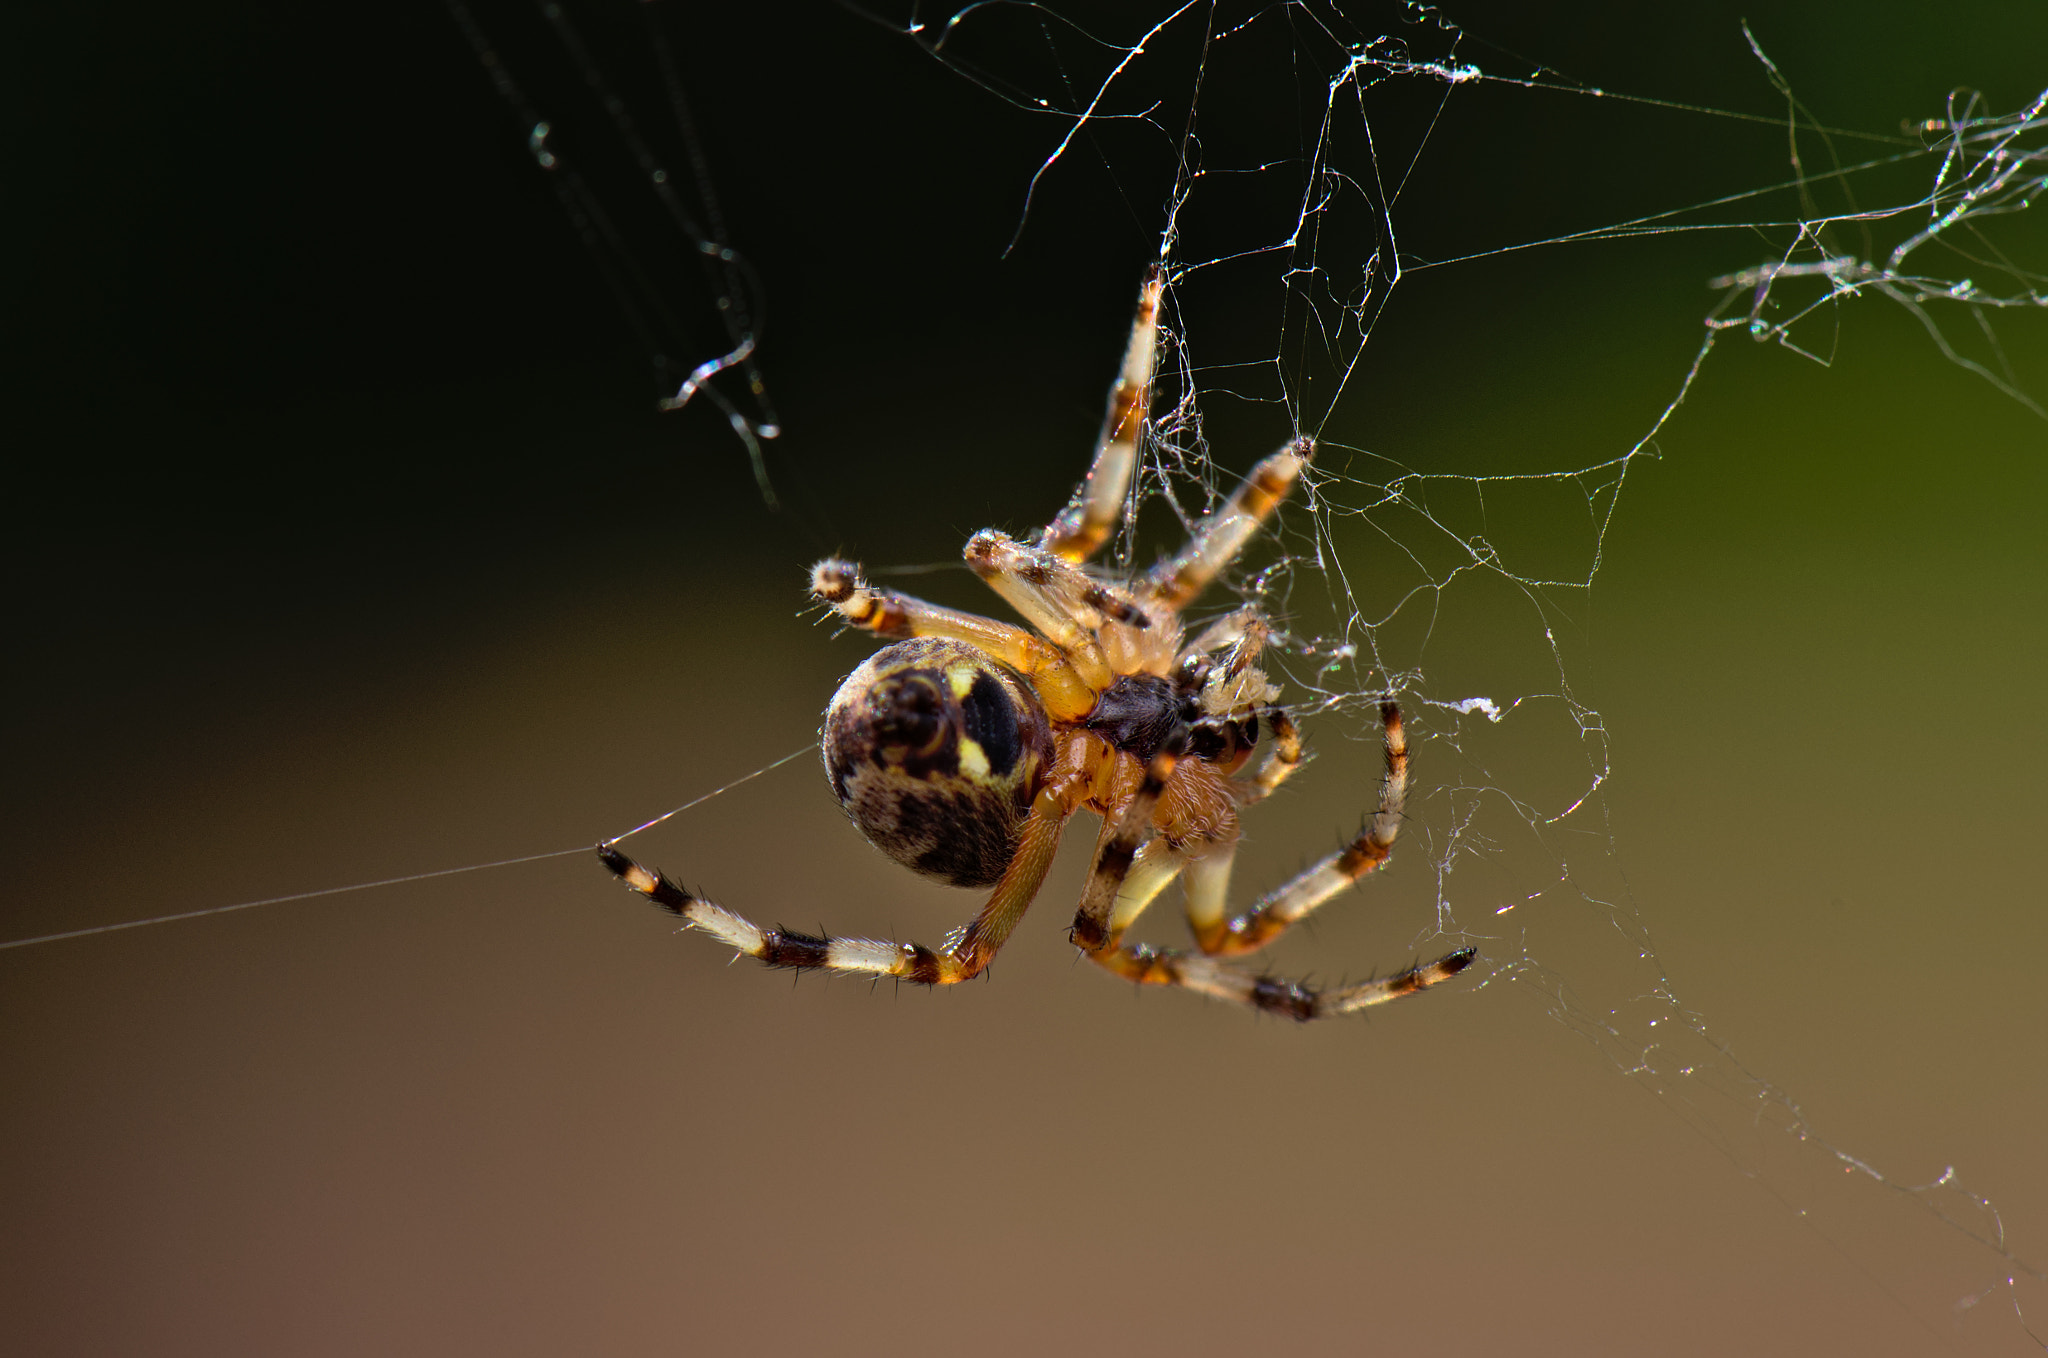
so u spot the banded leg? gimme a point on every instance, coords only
(1151, 871)
(1056, 598)
(1208, 880)
(1098, 929)
(1226, 631)
(1085, 524)
(1294, 999)
(1123, 833)
(1280, 765)
(1066, 693)
(1218, 539)
(1229, 683)
(967, 951)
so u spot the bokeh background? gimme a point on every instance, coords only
(345, 546)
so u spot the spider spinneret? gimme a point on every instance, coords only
(962, 749)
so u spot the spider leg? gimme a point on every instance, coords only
(967, 950)
(1218, 539)
(1287, 756)
(1155, 866)
(1098, 923)
(1228, 630)
(1066, 692)
(1208, 879)
(1056, 598)
(1294, 999)
(1084, 525)
(1116, 850)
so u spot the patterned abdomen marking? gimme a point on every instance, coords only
(936, 752)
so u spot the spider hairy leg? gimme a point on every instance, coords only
(967, 951)
(776, 947)
(1056, 598)
(1054, 594)
(1208, 880)
(1117, 849)
(1099, 924)
(1303, 1002)
(1154, 868)
(1066, 694)
(1286, 757)
(1085, 524)
(1291, 999)
(1227, 631)
(1218, 539)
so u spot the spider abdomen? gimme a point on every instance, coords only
(936, 752)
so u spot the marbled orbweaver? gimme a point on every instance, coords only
(962, 749)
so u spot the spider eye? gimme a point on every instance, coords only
(936, 751)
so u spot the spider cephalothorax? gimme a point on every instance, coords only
(962, 750)
(1142, 714)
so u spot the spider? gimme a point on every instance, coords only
(961, 750)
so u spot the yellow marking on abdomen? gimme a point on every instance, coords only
(973, 760)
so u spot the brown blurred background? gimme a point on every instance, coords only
(345, 547)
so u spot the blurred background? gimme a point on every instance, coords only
(346, 545)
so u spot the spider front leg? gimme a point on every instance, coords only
(1067, 694)
(1058, 599)
(1085, 524)
(1217, 539)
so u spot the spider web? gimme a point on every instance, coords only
(1314, 161)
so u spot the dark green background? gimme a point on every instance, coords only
(344, 546)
